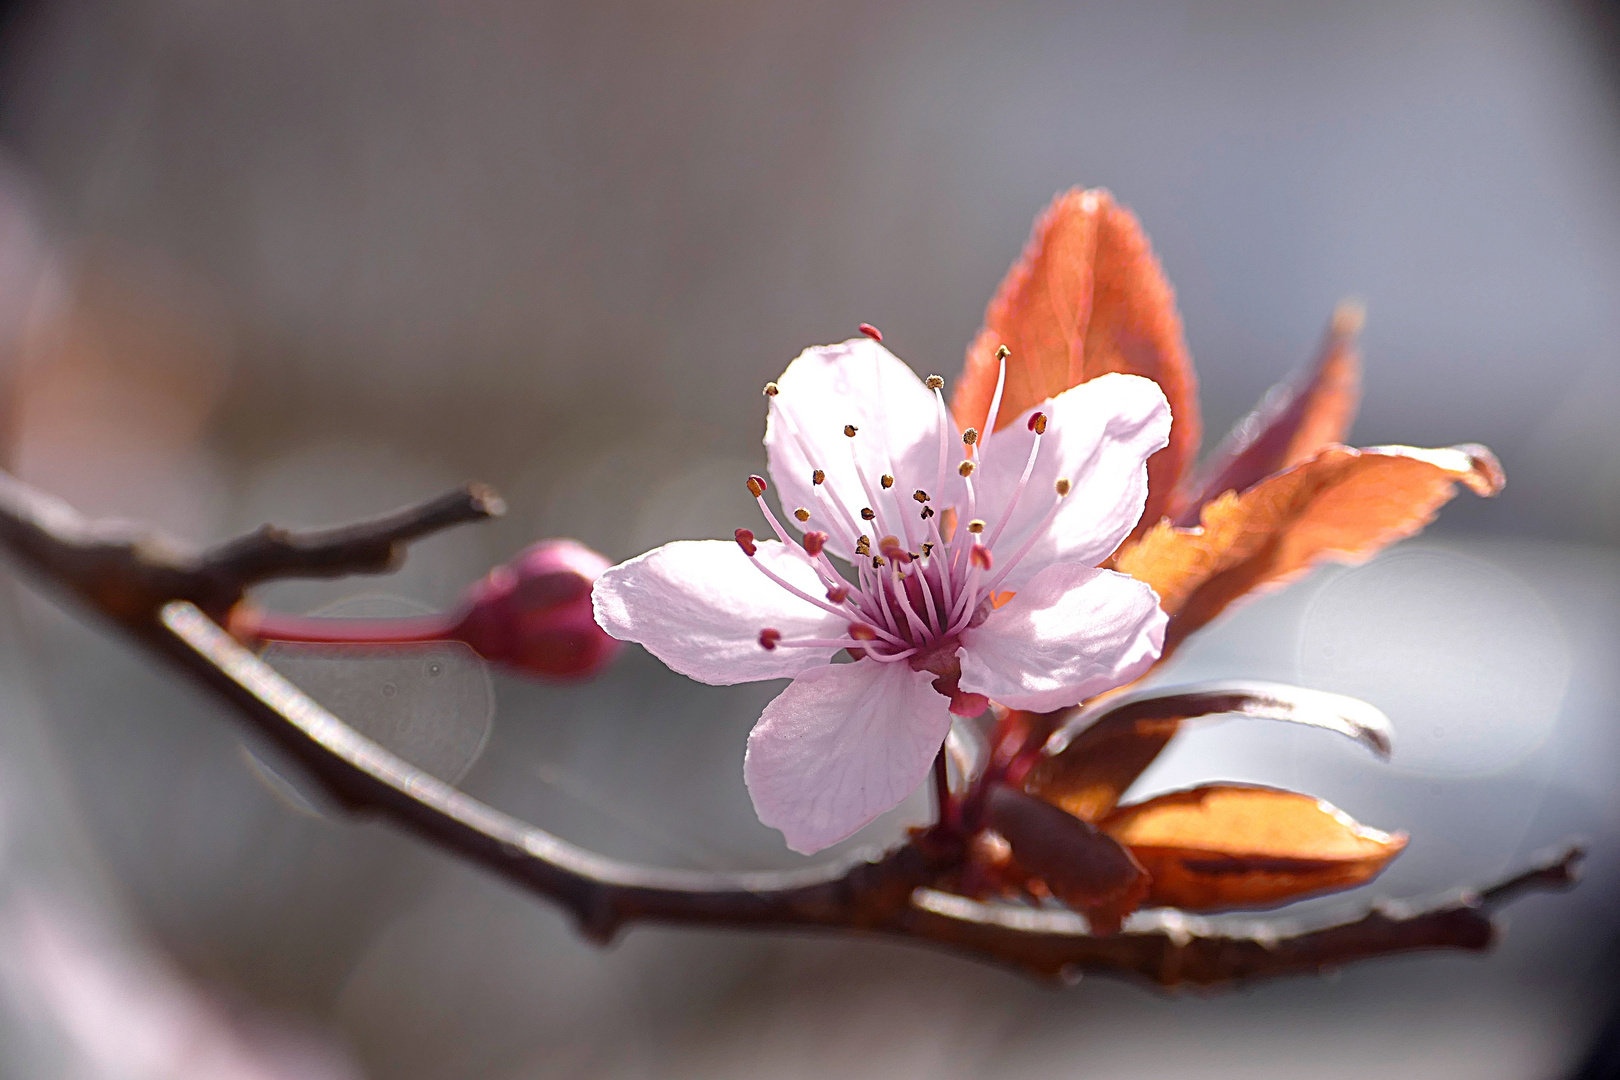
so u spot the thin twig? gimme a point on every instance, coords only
(172, 601)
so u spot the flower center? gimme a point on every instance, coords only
(933, 570)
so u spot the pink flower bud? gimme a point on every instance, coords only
(533, 614)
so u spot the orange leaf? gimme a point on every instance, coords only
(1101, 749)
(1343, 504)
(1091, 773)
(1294, 420)
(1086, 298)
(1229, 846)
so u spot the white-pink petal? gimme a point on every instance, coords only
(841, 745)
(897, 425)
(1072, 632)
(699, 606)
(1099, 436)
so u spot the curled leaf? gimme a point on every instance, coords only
(1101, 749)
(1085, 868)
(1349, 716)
(1342, 504)
(1226, 846)
(1087, 298)
(1294, 420)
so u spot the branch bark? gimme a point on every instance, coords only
(171, 600)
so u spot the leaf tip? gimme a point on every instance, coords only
(1348, 317)
(1484, 477)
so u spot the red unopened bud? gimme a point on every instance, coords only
(768, 639)
(814, 542)
(871, 331)
(534, 614)
(745, 540)
(981, 556)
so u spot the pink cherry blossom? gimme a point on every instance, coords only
(940, 528)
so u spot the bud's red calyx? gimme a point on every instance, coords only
(533, 615)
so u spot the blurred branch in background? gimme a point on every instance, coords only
(173, 601)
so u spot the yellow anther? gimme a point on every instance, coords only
(920, 495)
(867, 514)
(756, 486)
(975, 526)
(1038, 422)
(850, 430)
(877, 561)
(1003, 352)
(802, 514)
(818, 477)
(934, 382)
(1062, 486)
(965, 469)
(771, 389)
(887, 481)
(970, 436)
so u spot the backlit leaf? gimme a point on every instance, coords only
(1101, 750)
(1342, 504)
(1294, 420)
(1087, 298)
(1228, 846)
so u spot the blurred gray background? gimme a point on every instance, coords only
(309, 260)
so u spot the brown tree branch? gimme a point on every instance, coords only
(172, 600)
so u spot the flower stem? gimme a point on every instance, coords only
(274, 626)
(942, 789)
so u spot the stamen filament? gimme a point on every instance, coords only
(970, 598)
(1006, 515)
(841, 612)
(821, 643)
(1035, 534)
(995, 400)
(928, 597)
(943, 560)
(833, 502)
(906, 606)
(889, 658)
(866, 486)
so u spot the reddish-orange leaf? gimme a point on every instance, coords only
(1085, 868)
(1087, 298)
(1227, 846)
(1342, 504)
(1294, 420)
(1088, 777)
